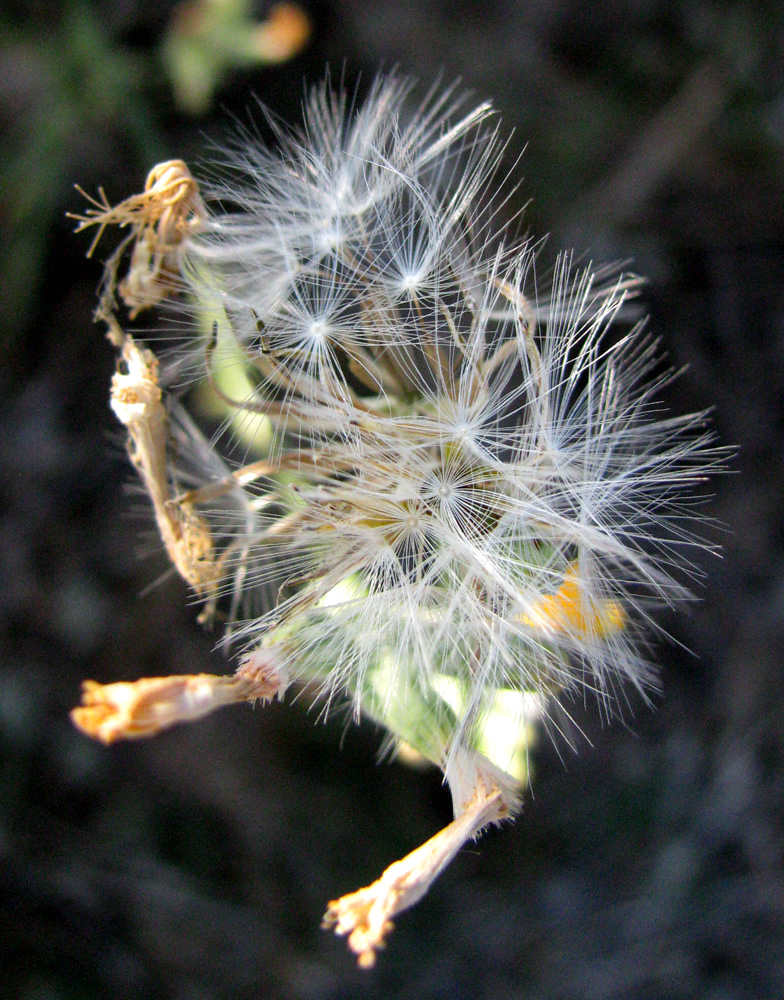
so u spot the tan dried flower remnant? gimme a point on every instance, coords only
(366, 915)
(129, 711)
(136, 401)
(171, 206)
(161, 217)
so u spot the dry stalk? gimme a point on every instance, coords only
(136, 401)
(366, 915)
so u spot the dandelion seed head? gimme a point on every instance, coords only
(441, 489)
(470, 486)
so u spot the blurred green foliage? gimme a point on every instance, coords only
(73, 86)
(76, 83)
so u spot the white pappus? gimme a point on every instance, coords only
(440, 489)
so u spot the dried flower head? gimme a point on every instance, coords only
(442, 492)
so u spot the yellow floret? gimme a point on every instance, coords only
(568, 610)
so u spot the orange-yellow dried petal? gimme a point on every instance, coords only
(568, 610)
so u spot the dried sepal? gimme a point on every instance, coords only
(132, 710)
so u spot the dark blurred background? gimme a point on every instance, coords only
(198, 865)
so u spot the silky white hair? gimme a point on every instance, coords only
(468, 483)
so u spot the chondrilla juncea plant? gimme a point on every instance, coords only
(441, 489)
